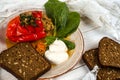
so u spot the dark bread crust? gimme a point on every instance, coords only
(90, 57)
(109, 52)
(24, 62)
(108, 74)
(12, 72)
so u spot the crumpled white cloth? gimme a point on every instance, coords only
(106, 14)
(92, 74)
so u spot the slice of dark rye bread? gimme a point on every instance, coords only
(109, 52)
(24, 62)
(90, 57)
(108, 74)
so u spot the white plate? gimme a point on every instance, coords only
(76, 37)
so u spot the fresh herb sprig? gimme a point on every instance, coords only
(65, 22)
(27, 19)
(50, 39)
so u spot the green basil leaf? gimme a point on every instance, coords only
(71, 26)
(70, 45)
(50, 39)
(58, 12)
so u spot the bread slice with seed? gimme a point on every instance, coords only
(108, 74)
(90, 58)
(109, 52)
(24, 62)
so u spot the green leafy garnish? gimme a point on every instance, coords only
(50, 39)
(58, 12)
(70, 45)
(65, 22)
(27, 19)
(71, 26)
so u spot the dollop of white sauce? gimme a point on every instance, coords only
(57, 52)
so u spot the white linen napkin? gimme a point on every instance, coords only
(8, 7)
(103, 12)
(92, 74)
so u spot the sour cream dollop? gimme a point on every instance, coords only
(57, 52)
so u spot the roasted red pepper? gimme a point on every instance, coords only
(19, 33)
(37, 14)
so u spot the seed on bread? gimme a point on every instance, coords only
(15, 63)
(20, 70)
